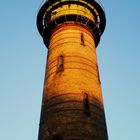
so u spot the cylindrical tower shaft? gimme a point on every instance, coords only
(72, 106)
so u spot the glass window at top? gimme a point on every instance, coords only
(72, 9)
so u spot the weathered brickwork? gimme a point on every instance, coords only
(72, 105)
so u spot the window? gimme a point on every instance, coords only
(69, 5)
(86, 104)
(82, 39)
(60, 63)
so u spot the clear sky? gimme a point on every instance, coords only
(22, 69)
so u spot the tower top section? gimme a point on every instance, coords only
(56, 13)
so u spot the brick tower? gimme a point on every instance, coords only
(72, 105)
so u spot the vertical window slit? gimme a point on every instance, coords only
(82, 39)
(69, 5)
(86, 104)
(60, 63)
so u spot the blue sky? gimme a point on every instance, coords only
(22, 69)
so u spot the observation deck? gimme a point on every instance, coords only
(56, 13)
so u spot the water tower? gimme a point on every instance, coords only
(72, 105)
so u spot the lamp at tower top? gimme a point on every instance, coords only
(56, 13)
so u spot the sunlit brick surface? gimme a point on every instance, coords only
(63, 105)
(72, 105)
